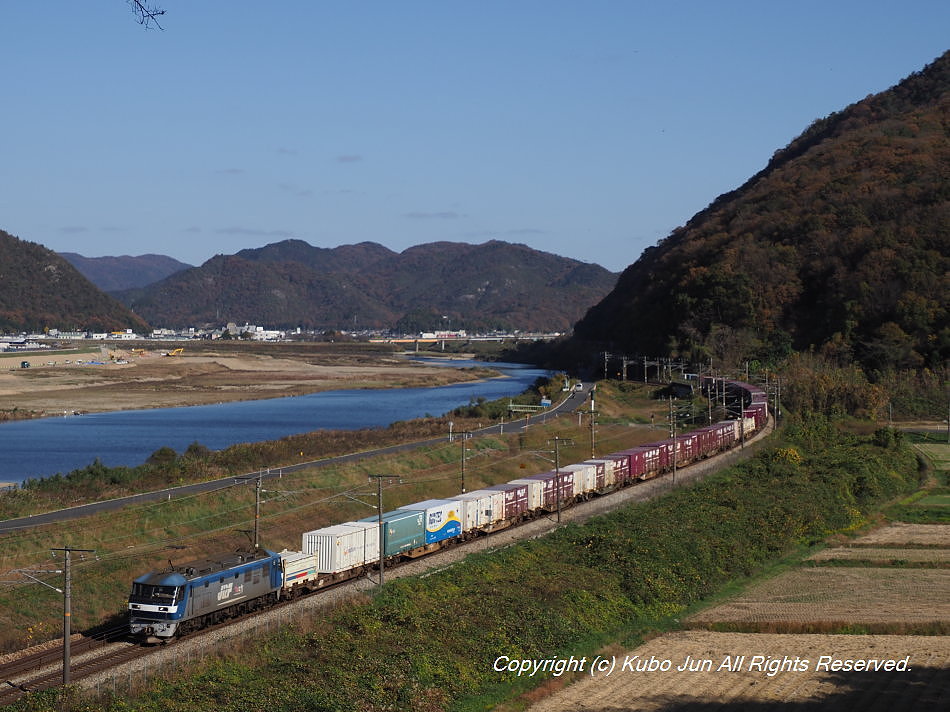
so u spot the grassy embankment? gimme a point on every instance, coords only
(138, 539)
(429, 643)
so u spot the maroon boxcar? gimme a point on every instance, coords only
(516, 499)
(647, 461)
(621, 467)
(601, 480)
(687, 448)
(550, 497)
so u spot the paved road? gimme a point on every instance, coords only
(577, 400)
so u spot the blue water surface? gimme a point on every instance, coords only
(37, 448)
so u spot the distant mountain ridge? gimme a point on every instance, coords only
(495, 285)
(41, 290)
(841, 244)
(112, 274)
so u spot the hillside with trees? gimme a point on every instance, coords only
(112, 274)
(40, 290)
(442, 285)
(840, 246)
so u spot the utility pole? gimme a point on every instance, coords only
(464, 435)
(67, 605)
(593, 410)
(259, 477)
(675, 447)
(557, 470)
(379, 506)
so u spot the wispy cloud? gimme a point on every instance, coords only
(349, 158)
(287, 151)
(502, 234)
(444, 215)
(295, 190)
(253, 232)
(525, 231)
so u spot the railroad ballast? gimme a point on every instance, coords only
(180, 599)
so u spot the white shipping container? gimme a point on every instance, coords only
(735, 430)
(535, 492)
(747, 427)
(298, 567)
(339, 547)
(491, 504)
(474, 508)
(610, 474)
(370, 532)
(585, 477)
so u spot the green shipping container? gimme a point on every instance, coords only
(403, 530)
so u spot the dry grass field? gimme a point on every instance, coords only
(885, 556)
(786, 660)
(830, 597)
(877, 598)
(900, 534)
(797, 678)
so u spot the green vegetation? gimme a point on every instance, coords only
(141, 538)
(930, 506)
(429, 643)
(41, 290)
(428, 288)
(166, 468)
(837, 246)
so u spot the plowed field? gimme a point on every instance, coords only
(798, 678)
(825, 598)
(772, 668)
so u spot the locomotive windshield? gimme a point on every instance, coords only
(147, 593)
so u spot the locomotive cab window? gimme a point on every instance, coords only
(147, 593)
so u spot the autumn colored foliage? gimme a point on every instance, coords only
(839, 245)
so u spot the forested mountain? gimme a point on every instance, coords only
(39, 289)
(840, 244)
(432, 286)
(113, 274)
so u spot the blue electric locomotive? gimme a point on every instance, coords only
(180, 599)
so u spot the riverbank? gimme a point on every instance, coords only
(117, 379)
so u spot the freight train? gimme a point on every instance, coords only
(180, 599)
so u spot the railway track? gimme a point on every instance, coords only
(92, 656)
(43, 669)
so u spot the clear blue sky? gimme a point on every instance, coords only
(589, 129)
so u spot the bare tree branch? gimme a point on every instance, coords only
(145, 14)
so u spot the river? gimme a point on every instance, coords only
(38, 448)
